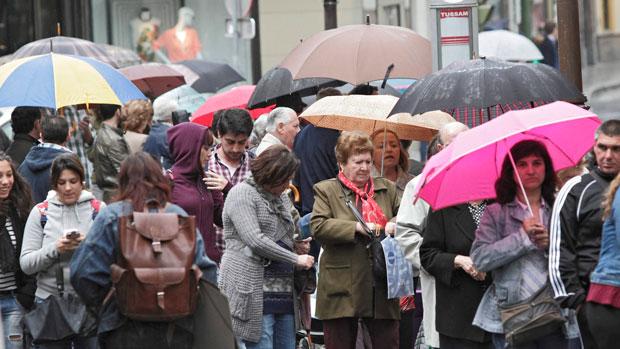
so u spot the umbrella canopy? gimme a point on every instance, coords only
(237, 97)
(207, 77)
(366, 114)
(509, 46)
(154, 79)
(114, 56)
(478, 154)
(55, 81)
(361, 53)
(481, 84)
(278, 83)
(185, 97)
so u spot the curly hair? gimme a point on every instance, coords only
(352, 143)
(136, 115)
(506, 187)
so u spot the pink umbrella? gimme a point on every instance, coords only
(466, 170)
(237, 97)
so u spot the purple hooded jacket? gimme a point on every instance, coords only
(185, 141)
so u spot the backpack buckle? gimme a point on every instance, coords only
(156, 246)
(160, 299)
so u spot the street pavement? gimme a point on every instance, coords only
(601, 84)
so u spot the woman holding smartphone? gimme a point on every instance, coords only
(54, 230)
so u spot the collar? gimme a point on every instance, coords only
(54, 146)
(27, 137)
(271, 139)
(217, 157)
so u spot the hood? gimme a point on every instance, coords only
(185, 141)
(85, 195)
(40, 158)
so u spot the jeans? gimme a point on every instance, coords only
(12, 314)
(278, 333)
(147, 335)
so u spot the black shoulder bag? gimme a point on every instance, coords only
(379, 269)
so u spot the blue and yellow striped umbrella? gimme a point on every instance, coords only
(54, 81)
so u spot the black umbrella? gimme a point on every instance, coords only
(484, 88)
(207, 77)
(277, 85)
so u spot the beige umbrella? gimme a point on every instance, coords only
(361, 53)
(370, 113)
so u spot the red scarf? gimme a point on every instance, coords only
(371, 212)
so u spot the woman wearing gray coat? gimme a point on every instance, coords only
(258, 264)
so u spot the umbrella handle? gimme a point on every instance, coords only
(514, 166)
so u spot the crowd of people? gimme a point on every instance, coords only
(282, 210)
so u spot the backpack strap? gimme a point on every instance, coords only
(96, 206)
(42, 207)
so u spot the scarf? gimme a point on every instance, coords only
(371, 212)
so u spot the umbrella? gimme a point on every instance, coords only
(361, 53)
(366, 114)
(475, 157)
(237, 97)
(185, 97)
(114, 56)
(278, 83)
(481, 84)
(54, 81)
(207, 77)
(154, 79)
(509, 46)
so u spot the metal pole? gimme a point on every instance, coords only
(568, 40)
(331, 16)
(255, 45)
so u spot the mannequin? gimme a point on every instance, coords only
(180, 42)
(145, 29)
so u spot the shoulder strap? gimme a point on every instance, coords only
(354, 210)
(42, 207)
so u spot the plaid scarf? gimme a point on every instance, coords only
(371, 212)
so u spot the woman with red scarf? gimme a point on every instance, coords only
(348, 302)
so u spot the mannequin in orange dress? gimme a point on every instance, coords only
(180, 42)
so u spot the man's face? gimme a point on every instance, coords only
(607, 153)
(289, 130)
(233, 146)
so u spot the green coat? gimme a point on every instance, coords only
(345, 286)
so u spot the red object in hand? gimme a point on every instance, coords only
(237, 97)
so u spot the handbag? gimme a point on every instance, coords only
(532, 318)
(60, 317)
(379, 266)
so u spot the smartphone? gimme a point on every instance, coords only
(71, 234)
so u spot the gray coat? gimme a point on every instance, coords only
(253, 222)
(502, 247)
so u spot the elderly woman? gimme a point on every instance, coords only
(55, 228)
(347, 299)
(257, 267)
(511, 243)
(136, 117)
(395, 162)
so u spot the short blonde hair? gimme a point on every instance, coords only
(136, 115)
(352, 143)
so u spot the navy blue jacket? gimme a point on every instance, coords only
(156, 144)
(36, 169)
(314, 146)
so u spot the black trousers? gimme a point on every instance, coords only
(147, 335)
(604, 323)
(446, 342)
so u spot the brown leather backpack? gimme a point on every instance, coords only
(154, 277)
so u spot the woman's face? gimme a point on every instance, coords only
(69, 187)
(6, 179)
(531, 169)
(205, 155)
(357, 168)
(391, 154)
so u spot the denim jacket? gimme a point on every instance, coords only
(607, 271)
(502, 247)
(90, 265)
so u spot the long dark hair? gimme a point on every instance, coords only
(141, 179)
(506, 187)
(20, 197)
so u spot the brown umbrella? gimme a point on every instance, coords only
(368, 114)
(153, 79)
(361, 53)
